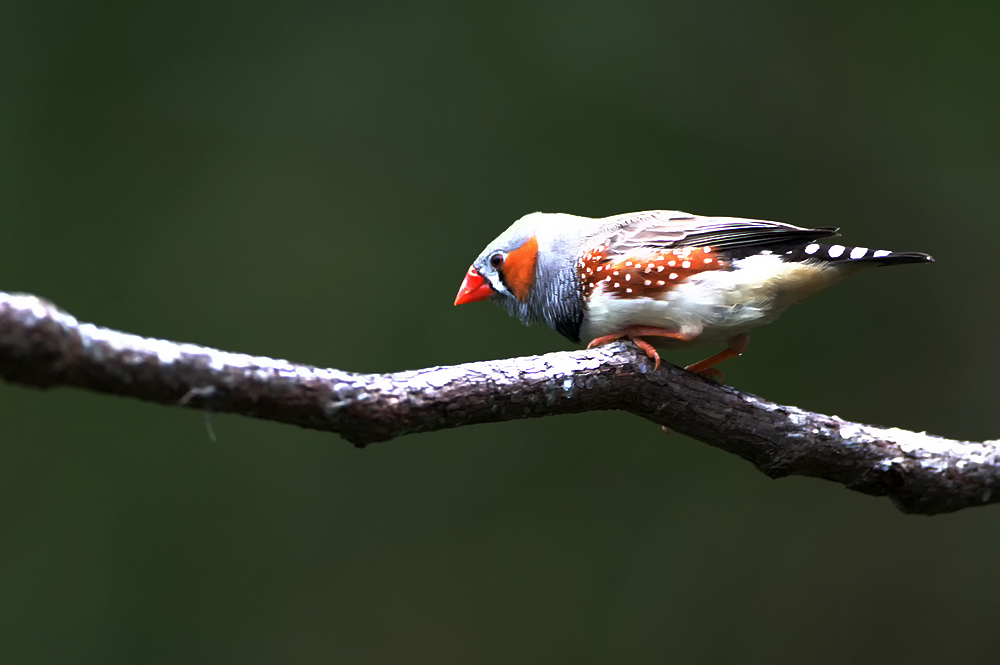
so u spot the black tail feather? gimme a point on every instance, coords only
(844, 254)
(904, 257)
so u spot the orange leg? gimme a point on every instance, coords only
(706, 367)
(636, 333)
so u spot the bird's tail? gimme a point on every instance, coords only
(842, 254)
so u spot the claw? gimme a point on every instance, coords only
(635, 335)
(706, 367)
(710, 373)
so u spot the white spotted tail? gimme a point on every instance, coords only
(844, 254)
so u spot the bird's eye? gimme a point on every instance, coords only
(496, 260)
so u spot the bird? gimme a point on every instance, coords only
(663, 279)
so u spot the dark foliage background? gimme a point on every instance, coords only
(310, 181)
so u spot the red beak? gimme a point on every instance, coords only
(474, 288)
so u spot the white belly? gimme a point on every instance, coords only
(713, 306)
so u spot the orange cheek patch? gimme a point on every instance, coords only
(519, 269)
(651, 274)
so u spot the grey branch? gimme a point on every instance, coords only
(43, 346)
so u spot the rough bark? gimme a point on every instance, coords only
(42, 346)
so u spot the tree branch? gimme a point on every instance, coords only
(40, 345)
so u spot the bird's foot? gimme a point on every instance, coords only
(635, 335)
(706, 367)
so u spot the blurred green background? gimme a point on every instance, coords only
(310, 181)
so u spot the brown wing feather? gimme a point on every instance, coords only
(660, 229)
(645, 273)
